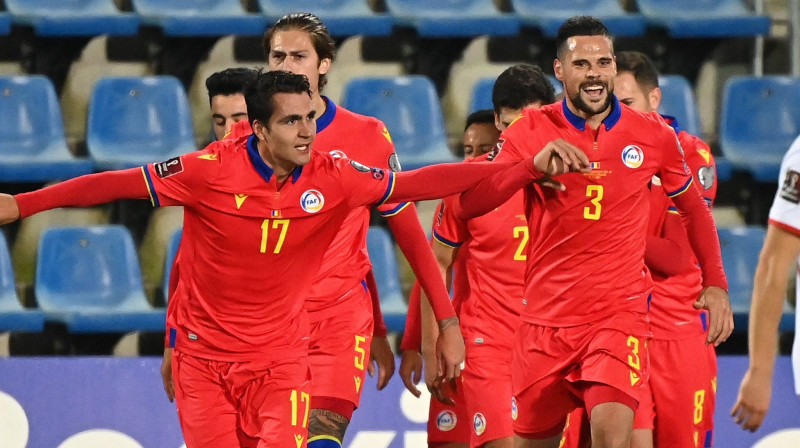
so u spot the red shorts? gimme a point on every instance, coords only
(242, 404)
(338, 351)
(577, 432)
(553, 367)
(487, 389)
(683, 382)
(448, 424)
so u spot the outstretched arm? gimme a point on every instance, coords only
(670, 253)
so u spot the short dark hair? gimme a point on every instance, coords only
(260, 92)
(483, 116)
(520, 85)
(229, 81)
(640, 66)
(311, 24)
(579, 26)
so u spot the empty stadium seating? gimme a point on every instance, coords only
(5, 23)
(351, 64)
(453, 18)
(677, 100)
(740, 250)
(342, 17)
(88, 279)
(384, 266)
(72, 18)
(548, 15)
(32, 143)
(409, 107)
(137, 120)
(12, 316)
(760, 118)
(703, 18)
(199, 17)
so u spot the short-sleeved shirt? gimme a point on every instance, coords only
(251, 248)
(672, 315)
(494, 247)
(785, 213)
(342, 133)
(586, 256)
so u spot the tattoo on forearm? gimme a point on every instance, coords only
(328, 423)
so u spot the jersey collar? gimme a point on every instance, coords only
(325, 119)
(672, 121)
(580, 124)
(261, 166)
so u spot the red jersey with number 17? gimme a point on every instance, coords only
(672, 315)
(342, 133)
(251, 247)
(586, 250)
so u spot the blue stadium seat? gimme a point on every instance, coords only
(410, 108)
(5, 23)
(342, 17)
(760, 119)
(741, 247)
(482, 93)
(172, 251)
(677, 100)
(548, 15)
(453, 18)
(32, 143)
(72, 17)
(12, 316)
(704, 18)
(136, 120)
(199, 17)
(88, 279)
(384, 266)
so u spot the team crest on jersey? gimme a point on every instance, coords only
(336, 154)
(312, 201)
(394, 163)
(359, 166)
(514, 409)
(169, 168)
(479, 423)
(377, 173)
(446, 420)
(790, 190)
(632, 156)
(706, 177)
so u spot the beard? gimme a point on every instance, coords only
(587, 108)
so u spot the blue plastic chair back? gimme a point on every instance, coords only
(704, 18)
(86, 269)
(9, 300)
(387, 276)
(453, 18)
(410, 108)
(733, 8)
(677, 100)
(199, 17)
(72, 17)
(32, 143)
(138, 120)
(5, 23)
(172, 251)
(740, 250)
(550, 14)
(342, 17)
(482, 93)
(760, 119)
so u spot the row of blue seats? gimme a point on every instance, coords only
(133, 121)
(681, 18)
(88, 279)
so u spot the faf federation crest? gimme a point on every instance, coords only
(312, 201)
(632, 156)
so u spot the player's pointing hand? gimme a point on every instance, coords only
(559, 157)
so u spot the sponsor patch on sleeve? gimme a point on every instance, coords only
(394, 163)
(359, 166)
(706, 177)
(790, 190)
(169, 168)
(377, 173)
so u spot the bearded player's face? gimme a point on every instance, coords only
(587, 69)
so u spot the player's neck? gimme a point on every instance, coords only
(592, 120)
(280, 169)
(318, 104)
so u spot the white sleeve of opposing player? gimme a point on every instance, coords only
(785, 210)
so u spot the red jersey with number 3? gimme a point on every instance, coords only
(672, 315)
(342, 133)
(494, 248)
(586, 249)
(251, 248)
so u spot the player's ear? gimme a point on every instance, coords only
(558, 69)
(654, 98)
(259, 129)
(324, 66)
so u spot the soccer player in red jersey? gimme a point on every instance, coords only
(260, 212)
(683, 368)
(582, 340)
